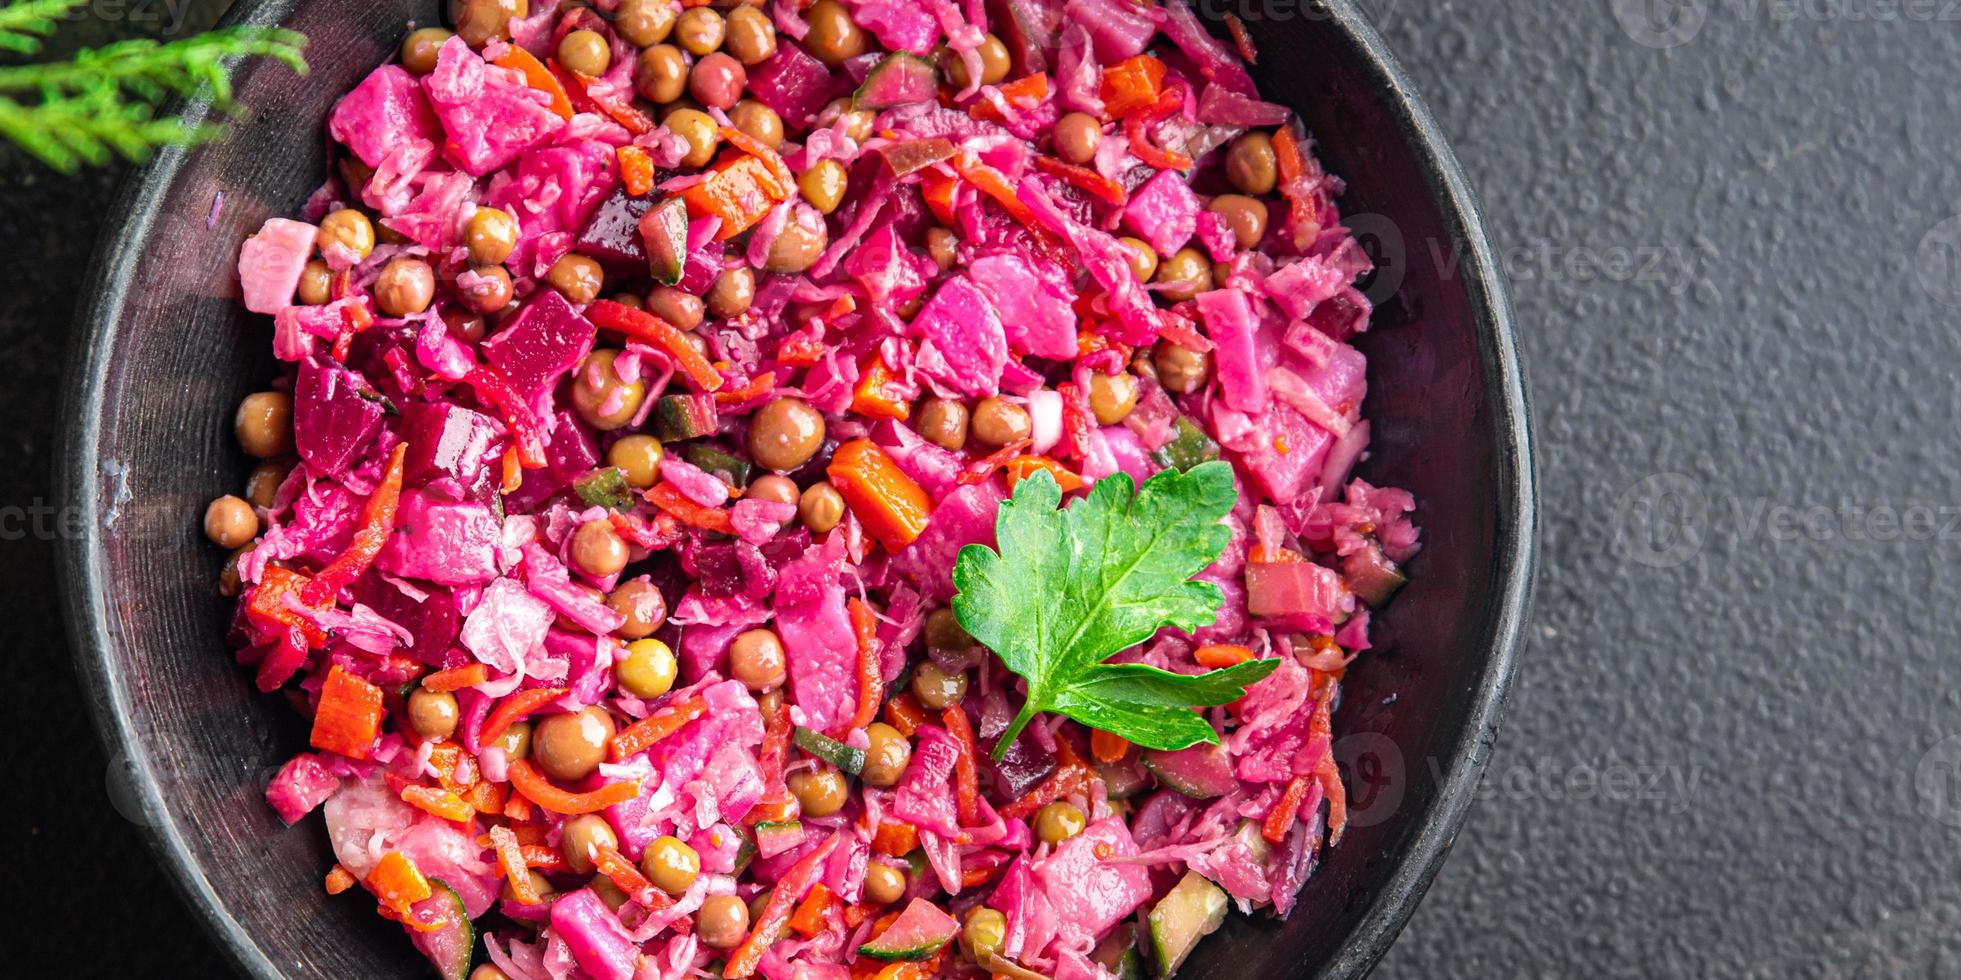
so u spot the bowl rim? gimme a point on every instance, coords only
(81, 558)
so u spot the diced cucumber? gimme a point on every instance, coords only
(664, 234)
(899, 79)
(1202, 772)
(1251, 837)
(605, 487)
(449, 947)
(711, 458)
(843, 756)
(920, 931)
(678, 417)
(1189, 447)
(1192, 910)
(1118, 953)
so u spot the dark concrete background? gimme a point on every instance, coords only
(1728, 752)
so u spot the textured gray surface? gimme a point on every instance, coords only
(1745, 389)
(1780, 385)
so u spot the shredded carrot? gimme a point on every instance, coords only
(905, 714)
(672, 501)
(511, 859)
(377, 524)
(966, 778)
(881, 392)
(636, 170)
(648, 732)
(1217, 656)
(750, 390)
(513, 471)
(621, 871)
(1106, 747)
(438, 802)
(871, 681)
(339, 879)
(1280, 819)
(456, 678)
(518, 809)
(1022, 467)
(513, 709)
(533, 784)
(892, 507)
(770, 925)
(812, 917)
(397, 882)
(1023, 92)
(895, 838)
(537, 76)
(489, 797)
(348, 718)
(547, 859)
(644, 326)
(976, 877)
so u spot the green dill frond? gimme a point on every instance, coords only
(65, 135)
(24, 23)
(103, 103)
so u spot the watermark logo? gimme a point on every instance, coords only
(1937, 262)
(1660, 23)
(1937, 781)
(1382, 241)
(1372, 770)
(1661, 521)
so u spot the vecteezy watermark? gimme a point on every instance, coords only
(1674, 268)
(1667, 519)
(163, 17)
(1673, 23)
(1669, 786)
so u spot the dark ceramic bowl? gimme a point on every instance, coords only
(165, 352)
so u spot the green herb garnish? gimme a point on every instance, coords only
(103, 103)
(1071, 587)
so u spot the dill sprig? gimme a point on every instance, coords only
(24, 23)
(103, 103)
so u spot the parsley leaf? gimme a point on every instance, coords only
(1069, 588)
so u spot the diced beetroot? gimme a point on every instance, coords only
(488, 116)
(335, 415)
(387, 110)
(446, 440)
(270, 263)
(1288, 454)
(613, 235)
(793, 83)
(545, 339)
(1028, 28)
